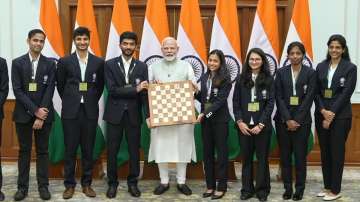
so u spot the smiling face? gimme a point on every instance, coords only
(255, 62)
(295, 56)
(335, 50)
(214, 62)
(82, 42)
(127, 47)
(169, 49)
(36, 43)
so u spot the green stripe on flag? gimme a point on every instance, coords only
(56, 141)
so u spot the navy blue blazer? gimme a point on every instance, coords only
(122, 97)
(342, 85)
(218, 110)
(68, 76)
(305, 91)
(27, 102)
(242, 97)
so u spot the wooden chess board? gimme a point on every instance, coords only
(171, 103)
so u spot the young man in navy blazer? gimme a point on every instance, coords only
(126, 79)
(4, 90)
(33, 80)
(80, 83)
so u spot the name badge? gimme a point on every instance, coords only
(294, 100)
(83, 86)
(207, 105)
(328, 93)
(128, 86)
(32, 87)
(253, 107)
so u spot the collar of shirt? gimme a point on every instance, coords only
(34, 63)
(32, 59)
(81, 60)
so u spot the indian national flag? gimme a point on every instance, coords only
(265, 35)
(53, 48)
(226, 37)
(85, 18)
(300, 30)
(155, 29)
(120, 22)
(191, 40)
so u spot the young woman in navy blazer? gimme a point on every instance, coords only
(253, 103)
(214, 118)
(295, 90)
(336, 80)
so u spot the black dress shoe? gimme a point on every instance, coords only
(134, 191)
(207, 194)
(20, 194)
(262, 198)
(44, 193)
(215, 197)
(2, 196)
(183, 188)
(161, 189)
(246, 195)
(298, 196)
(287, 195)
(111, 192)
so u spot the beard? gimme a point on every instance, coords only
(170, 58)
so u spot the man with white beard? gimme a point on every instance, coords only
(172, 144)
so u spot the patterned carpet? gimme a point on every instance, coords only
(350, 188)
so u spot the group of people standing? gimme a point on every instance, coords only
(80, 79)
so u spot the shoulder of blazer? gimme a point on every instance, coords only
(322, 65)
(95, 58)
(2, 61)
(347, 64)
(112, 61)
(21, 59)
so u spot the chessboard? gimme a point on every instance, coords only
(171, 103)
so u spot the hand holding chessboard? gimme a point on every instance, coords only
(171, 103)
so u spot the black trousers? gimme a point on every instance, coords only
(260, 144)
(293, 142)
(24, 133)
(80, 131)
(1, 177)
(114, 136)
(332, 148)
(214, 136)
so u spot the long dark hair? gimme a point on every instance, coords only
(264, 77)
(222, 73)
(339, 38)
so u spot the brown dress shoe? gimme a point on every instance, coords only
(88, 191)
(68, 193)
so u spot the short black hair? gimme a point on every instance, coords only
(128, 35)
(81, 31)
(35, 31)
(296, 44)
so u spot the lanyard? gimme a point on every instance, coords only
(253, 89)
(208, 86)
(294, 79)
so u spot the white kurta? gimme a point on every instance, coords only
(172, 143)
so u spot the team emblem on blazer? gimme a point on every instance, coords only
(216, 90)
(94, 77)
(137, 81)
(45, 79)
(263, 93)
(342, 81)
(305, 88)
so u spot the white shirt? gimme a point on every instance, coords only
(126, 64)
(253, 96)
(331, 74)
(82, 64)
(34, 65)
(294, 79)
